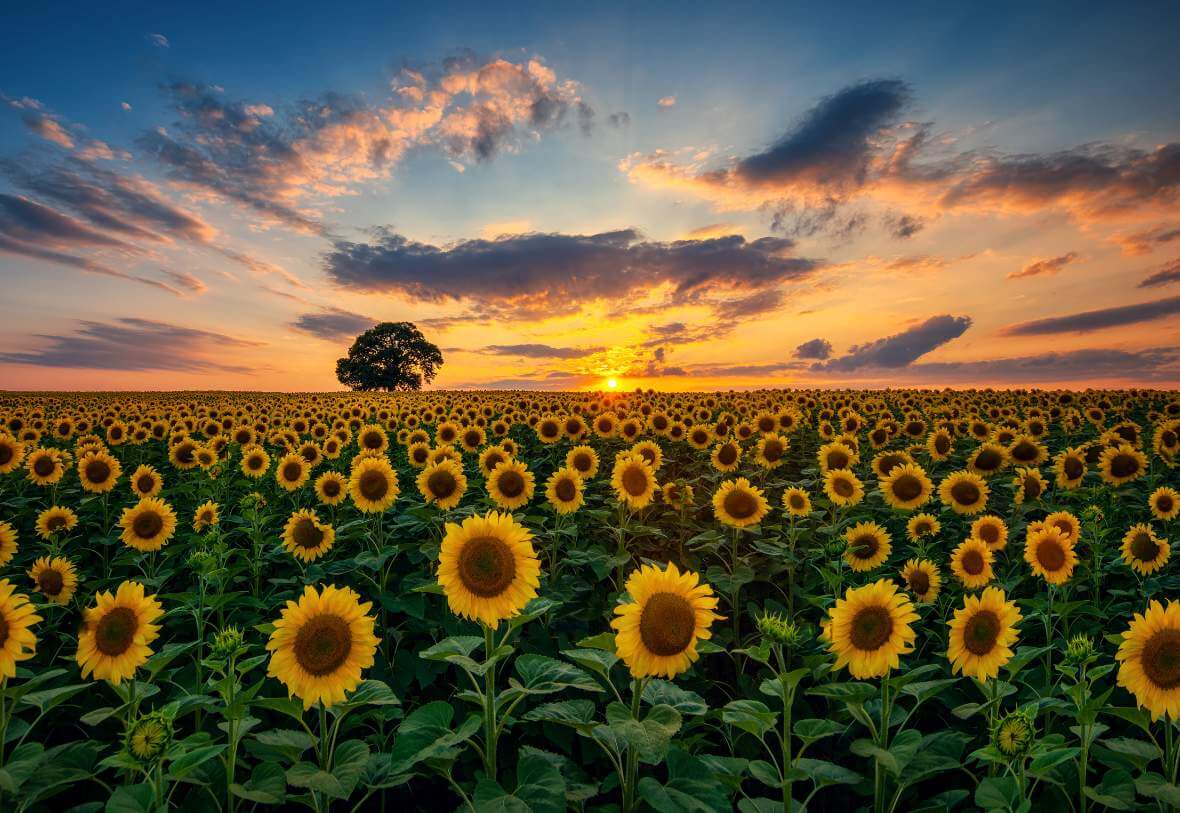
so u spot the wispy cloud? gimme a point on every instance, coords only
(1166, 274)
(1048, 267)
(1100, 319)
(333, 324)
(540, 351)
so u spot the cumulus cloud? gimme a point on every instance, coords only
(545, 274)
(332, 324)
(900, 349)
(1100, 319)
(134, 344)
(1166, 274)
(814, 349)
(1047, 267)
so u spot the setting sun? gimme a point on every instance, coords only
(612, 383)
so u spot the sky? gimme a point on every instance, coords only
(683, 196)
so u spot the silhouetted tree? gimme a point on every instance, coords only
(391, 356)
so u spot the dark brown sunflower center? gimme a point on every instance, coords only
(3, 630)
(988, 460)
(1144, 548)
(871, 627)
(307, 534)
(50, 582)
(322, 644)
(740, 504)
(55, 523)
(981, 632)
(254, 462)
(511, 484)
(965, 493)
(1024, 451)
(634, 481)
(864, 547)
(582, 462)
(98, 471)
(1161, 658)
(331, 488)
(184, 452)
(6, 454)
(727, 454)
(145, 483)
(1032, 488)
(972, 562)
(888, 463)
(549, 429)
(797, 502)
(147, 524)
(373, 485)
(471, 438)
(923, 527)
(843, 487)
(1164, 503)
(1124, 465)
(907, 487)
(292, 471)
(371, 440)
(837, 460)
(116, 631)
(989, 533)
(772, 450)
(573, 427)
(919, 582)
(565, 489)
(667, 624)
(487, 566)
(1051, 555)
(441, 484)
(942, 444)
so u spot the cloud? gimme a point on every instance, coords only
(1047, 267)
(540, 351)
(1166, 274)
(619, 119)
(1101, 319)
(667, 101)
(814, 349)
(902, 226)
(333, 324)
(26, 220)
(189, 282)
(159, 40)
(126, 106)
(137, 345)
(1146, 241)
(1090, 364)
(900, 349)
(755, 304)
(49, 129)
(714, 230)
(547, 274)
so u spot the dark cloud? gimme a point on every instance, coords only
(1166, 274)
(744, 370)
(745, 307)
(620, 119)
(833, 143)
(901, 349)
(540, 351)
(333, 324)
(1044, 267)
(554, 273)
(1093, 364)
(820, 349)
(25, 220)
(903, 226)
(1100, 319)
(135, 344)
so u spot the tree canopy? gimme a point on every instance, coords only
(390, 356)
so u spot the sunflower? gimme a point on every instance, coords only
(8, 546)
(148, 525)
(922, 579)
(739, 504)
(487, 568)
(964, 492)
(982, 634)
(98, 471)
(870, 628)
(921, 525)
(843, 487)
(292, 471)
(491, 457)
(887, 461)
(1143, 551)
(549, 430)
(55, 578)
(206, 516)
(988, 459)
(1070, 468)
(584, 460)
(418, 454)
(1164, 503)
(17, 617)
(971, 562)
(1149, 660)
(836, 455)
(868, 545)
(442, 484)
(1050, 554)
(472, 438)
(906, 487)
(677, 494)
(797, 502)
(651, 452)
(564, 491)
(1030, 485)
(12, 453)
(372, 438)
(1067, 523)
(657, 631)
(117, 633)
(183, 455)
(1122, 464)
(146, 481)
(331, 488)
(373, 485)
(511, 484)
(939, 444)
(634, 481)
(45, 466)
(255, 462)
(56, 520)
(320, 645)
(305, 537)
(992, 531)
(770, 450)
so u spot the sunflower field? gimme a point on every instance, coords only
(893, 600)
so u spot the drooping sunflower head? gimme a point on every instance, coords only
(56, 578)
(1164, 503)
(305, 537)
(373, 485)
(584, 460)
(971, 562)
(797, 502)
(982, 634)
(906, 487)
(964, 492)
(870, 628)
(488, 568)
(442, 483)
(992, 530)
(867, 546)
(922, 579)
(321, 644)
(1143, 551)
(920, 526)
(633, 481)
(56, 520)
(117, 633)
(511, 484)
(657, 631)
(843, 487)
(1149, 660)
(1050, 554)
(148, 525)
(564, 490)
(17, 640)
(739, 504)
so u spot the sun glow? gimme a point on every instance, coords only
(612, 383)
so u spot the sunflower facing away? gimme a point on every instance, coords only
(870, 628)
(148, 525)
(1050, 554)
(634, 481)
(564, 491)
(868, 545)
(906, 487)
(657, 631)
(55, 578)
(922, 579)
(964, 492)
(487, 568)
(739, 504)
(117, 633)
(373, 485)
(305, 537)
(971, 562)
(17, 617)
(1143, 551)
(320, 645)
(677, 494)
(442, 483)
(1149, 660)
(511, 484)
(982, 634)
(56, 520)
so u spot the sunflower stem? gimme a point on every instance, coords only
(632, 770)
(489, 703)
